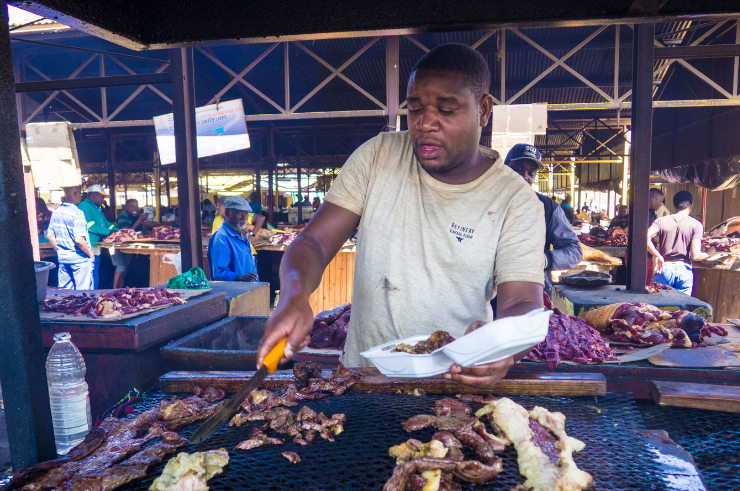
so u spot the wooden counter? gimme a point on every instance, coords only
(720, 287)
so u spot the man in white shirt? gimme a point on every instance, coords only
(464, 227)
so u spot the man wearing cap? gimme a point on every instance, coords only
(68, 235)
(562, 247)
(229, 251)
(97, 225)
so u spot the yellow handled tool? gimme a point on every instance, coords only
(227, 411)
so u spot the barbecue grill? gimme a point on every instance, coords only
(613, 427)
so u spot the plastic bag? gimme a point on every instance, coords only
(192, 279)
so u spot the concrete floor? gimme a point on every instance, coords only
(4, 447)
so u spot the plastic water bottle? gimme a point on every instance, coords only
(70, 400)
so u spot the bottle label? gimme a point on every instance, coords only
(70, 414)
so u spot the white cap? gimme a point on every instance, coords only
(96, 188)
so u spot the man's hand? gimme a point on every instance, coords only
(247, 277)
(480, 375)
(91, 259)
(659, 264)
(292, 318)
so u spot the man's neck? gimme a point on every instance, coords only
(683, 213)
(469, 172)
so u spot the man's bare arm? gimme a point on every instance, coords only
(301, 270)
(697, 254)
(652, 232)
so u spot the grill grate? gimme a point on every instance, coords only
(710, 437)
(615, 454)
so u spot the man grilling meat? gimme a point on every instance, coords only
(463, 226)
(562, 247)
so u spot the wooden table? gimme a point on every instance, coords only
(159, 272)
(719, 285)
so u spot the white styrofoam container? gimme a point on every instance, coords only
(406, 364)
(499, 339)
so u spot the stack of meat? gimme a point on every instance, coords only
(544, 450)
(616, 238)
(570, 338)
(119, 450)
(330, 328)
(646, 324)
(114, 303)
(722, 245)
(123, 235)
(283, 239)
(164, 232)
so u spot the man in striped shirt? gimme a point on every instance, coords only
(68, 235)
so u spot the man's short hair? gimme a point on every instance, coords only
(654, 191)
(132, 200)
(454, 57)
(682, 200)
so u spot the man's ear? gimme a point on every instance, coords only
(485, 107)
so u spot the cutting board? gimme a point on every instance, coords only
(697, 396)
(711, 357)
(550, 384)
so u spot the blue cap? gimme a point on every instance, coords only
(525, 151)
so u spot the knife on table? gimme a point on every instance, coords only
(227, 410)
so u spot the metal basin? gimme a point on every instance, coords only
(228, 345)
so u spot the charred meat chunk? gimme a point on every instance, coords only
(435, 341)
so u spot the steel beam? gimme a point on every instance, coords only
(688, 52)
(186, 155)
(93, 82)
(642, 136)
(22, 374)
(392, 80)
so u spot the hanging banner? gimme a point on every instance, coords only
(220, 128)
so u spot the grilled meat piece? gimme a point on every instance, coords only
(496, 444)
(467, 470)
(212, 394)
(205, 413)
(451, 407)
(474, 441)
(257, 439)
(181, 408)
(442, 423)
(292, 457)
(435, 341)
(477, 398)
(452, 444)
(304, 371)
(191, 471)
(544, 441)
(412, 449)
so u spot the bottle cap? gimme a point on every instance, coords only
(62, 336)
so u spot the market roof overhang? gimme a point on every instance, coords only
(146, 24)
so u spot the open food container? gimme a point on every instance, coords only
(493, 342)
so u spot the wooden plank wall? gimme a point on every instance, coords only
(721, 205)
(336, 284)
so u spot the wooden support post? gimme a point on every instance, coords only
(298, 174)
(704, 206)
(186, 154)
(270, 172)
(22, 373)
(157, 190)
(580, 186)
(392, 81)
(167, 188)
(112, 173)
(642, 136)
(257, 177)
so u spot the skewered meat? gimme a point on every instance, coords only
(435, 341)
(541, 472)
(191, 471)
(123, 235)
(292, 457)
(571, 338)
(330, 328)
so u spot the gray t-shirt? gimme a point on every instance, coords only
(430, 254)
(675, 235)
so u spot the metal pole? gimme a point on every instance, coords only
(298, 173)
(167, 188)
(580, 185)
(703, 206)
(22, 373)
(270, 172)
(186, 154)
(392, 80)
(642, 136)
(112, 173)
(157, 189)
(257, 185)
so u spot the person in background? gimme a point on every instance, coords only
(562, 247)
(316, 203)
(254, 202)
(229, 252)
(622, 220)
(97, 225)
(131, 217)
(306, 201)
(43, 215)
(568, 209)
(69, 237)
(656, 205)
(208, 210)
(679, 238)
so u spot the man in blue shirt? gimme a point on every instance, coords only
(229, 254)
(254, 202)
(67, 234)
(97, 225)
